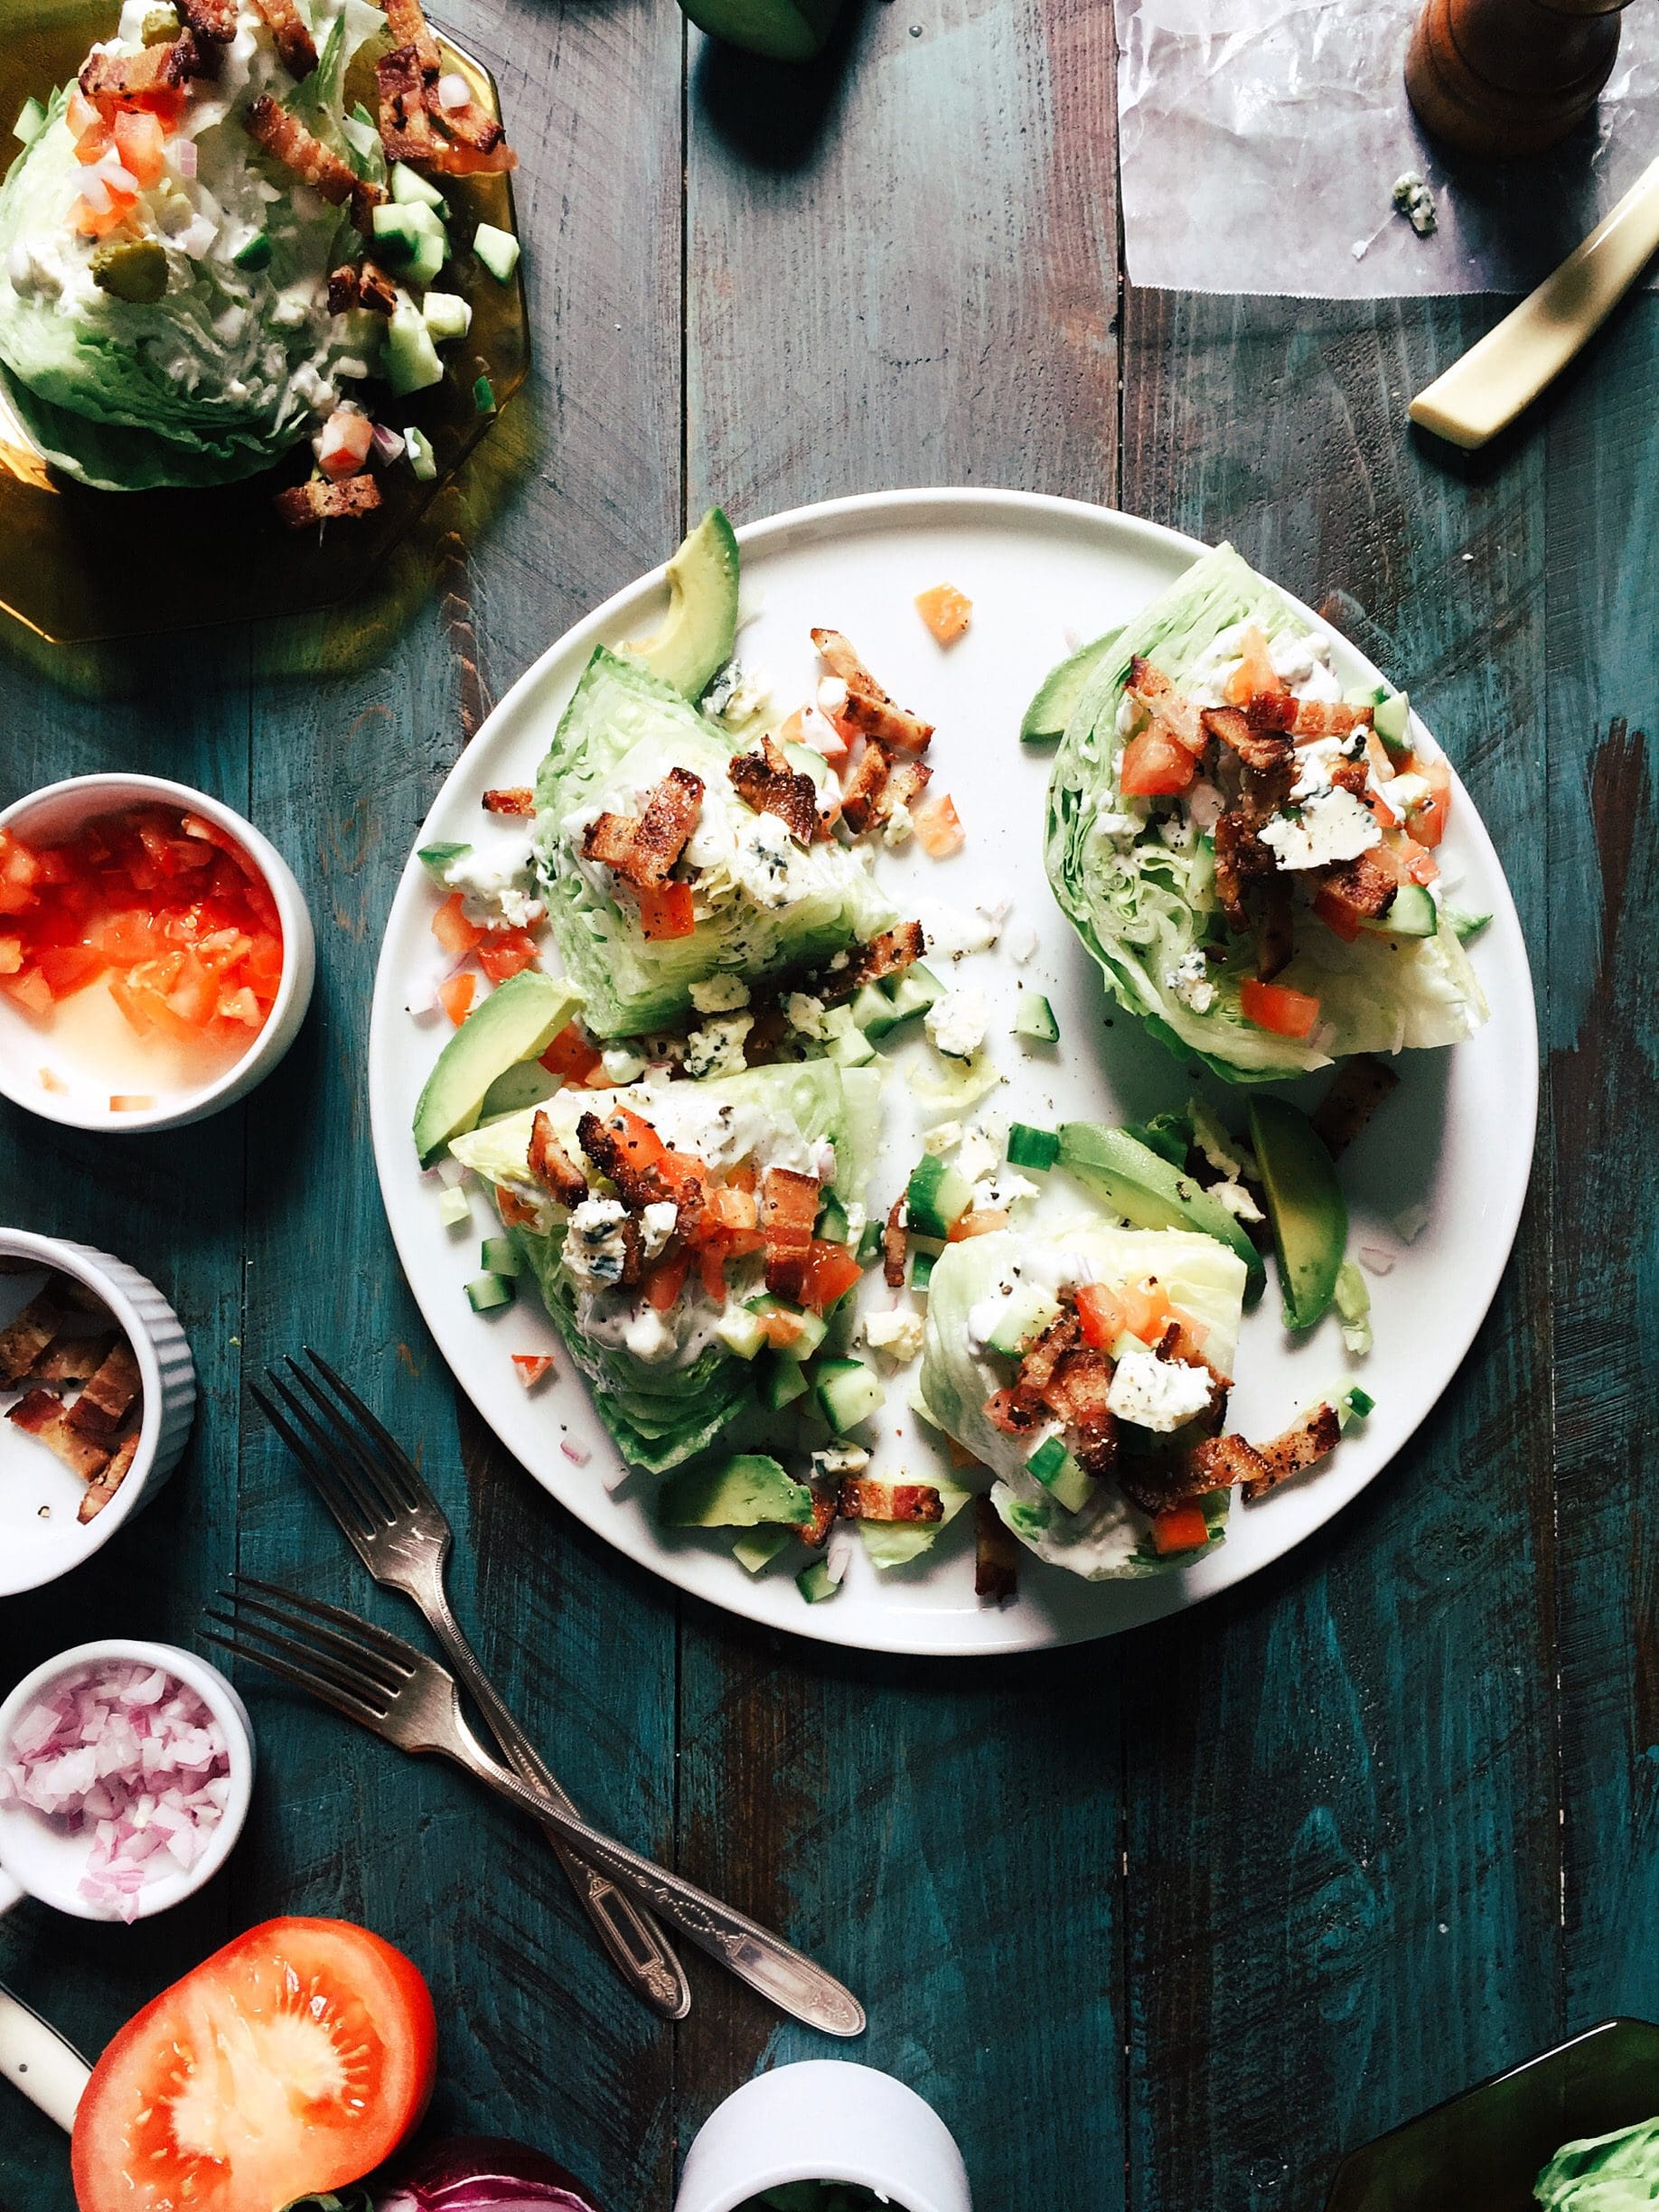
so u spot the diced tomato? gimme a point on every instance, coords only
(666, 1280)
(1179, 1528)
(741, 1179)
(11, 955)
(946, 612)
(1099, 1316)
(94, 141)
(241, 1006)
(667, 912)
(142, 144)
(1429, 822)
(1276, 1007)
(939, 826)
(979, 1221)
(31, 991)
(711, 1272)
(90, 222)
(1155, 766)
(644, 1148)
(68, 968)
(531, 1366)
(831, 1270)
(728, 1215)
(456, 994)
(807, 726)
(451, 929)
(78, 112)
(781, 1328)
(1336, 913)
(20, 872)
(572, 1056)
(342, 444)
(286, 2065)
(1416, 864)
(506, 952)
(1255, 677)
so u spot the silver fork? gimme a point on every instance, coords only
(385, 1511)
(413, 1702)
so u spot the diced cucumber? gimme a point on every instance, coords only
(1033, 1148)
(782, 1382)
(412, 360)
(411, 240)
(421, 457)
(31, 116)
(447, 316)
(1026, 1312)
(1412, 912)
(1392, 721)
(454, 1208)
(500, 1256)
(816, 1582)
(757, 1548)
(921, 1269)
(498, 249)
(1054, 1467)
(484, 395)
(869, 1241)
(1352, 1404)
(813, 1327)
(436, 859)
(255, 251)
(485, 1292)
(832, 1220)
(1034, 1017)
(913, 992)
(1352, 1298)
(846, 1044)
(410, 189)
(848, 1393)
(936, 1197)
(740, 1332)
(1462, 922)
(872, 1009)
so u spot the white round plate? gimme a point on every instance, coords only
(1456, 1138)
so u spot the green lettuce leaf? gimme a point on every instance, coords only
(621, 732)
(1139, 911)
(1603, 2173)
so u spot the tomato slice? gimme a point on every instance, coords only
(294, 2060)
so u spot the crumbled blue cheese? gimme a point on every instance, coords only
(658, 1222)
(1405, 793)
(1189, 981)
(495, 887)
(1157, 1394)
(716, 1048)
(805, 1014)
(981, 1155)
(760, 863)
(1237, 1201)
(621, 1065)
(837, 1459)
(1215, 1144)
(957, 1023)
(1414, 200)
(1020, 943)
(648, 1338)
(899, 1335)
(995, 1193)
(595, 1246)
(1335, 826)
(737, 694)
(1316, 764)
(941, 1137)
(898, 828)
(720, 994)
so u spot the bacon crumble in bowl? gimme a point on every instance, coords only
(157, 956)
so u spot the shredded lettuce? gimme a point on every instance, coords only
(1603, 2173)
(1140, 905)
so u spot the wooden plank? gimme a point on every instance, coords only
(1603, 586)
(1343, 1844)
(900, 271)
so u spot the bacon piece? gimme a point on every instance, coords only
(1275, 929)
(318, 502)
(1240, 734)
(213, 20)
(23, 1339)
(1241, 858)
(71, 1359)
(669, 817)
(861, 799)
(840, 658)
(788, 1211)
(816, 1532)
(1367, 886)
(894, 1246)
(860, 1499)
(108, 1479)
(287, 140)
(367, 285)
(633, 1253)
(516, 1213)
(899, 947)
(907, 779)
(609, 840)
(552, 1166)
(406, 129)
(1014, 1411)
(615, 1153)
(518, 799)
(1358, 1088)
(104, 1404)
(41, 1416)
(290, 34)
(117, 80)
(408, 25)
(996, 1555)
(1326, 718)
(1173, 713)
(766, 781)
(1352, 776)
(471, 124)
(1302, 1446)
(1077, 1395)
(868, 707)
(1036, 1370)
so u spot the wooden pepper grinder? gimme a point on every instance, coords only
(1503, 78)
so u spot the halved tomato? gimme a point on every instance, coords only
(293, 2061)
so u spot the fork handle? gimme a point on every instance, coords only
(637, 1947)
(793, 1982)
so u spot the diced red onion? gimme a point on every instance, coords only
(185, 156)
(130, 1758)
(453, 90)
(387, 444)
(576, 1453)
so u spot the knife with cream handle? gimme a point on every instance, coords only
(36, 2059)
(1505, 370)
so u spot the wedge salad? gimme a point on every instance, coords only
(683, 1000)
(1249, 854)
(207, 251)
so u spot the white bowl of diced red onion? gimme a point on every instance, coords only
(126, 1773)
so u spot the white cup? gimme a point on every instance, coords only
(38, 1858)
(824, 2120)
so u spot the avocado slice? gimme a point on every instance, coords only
(781, 30)
(748, 1491)
(1306, 1209)
(518, 1021)
(695, 641)
(1059, 691)
(1151, 1192)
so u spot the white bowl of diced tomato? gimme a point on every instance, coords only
(156, 955)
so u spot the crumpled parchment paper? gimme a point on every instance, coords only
(1260, 141)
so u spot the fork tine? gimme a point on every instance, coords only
(363, 1632)
(344, 1652)
(320, 1669)
(301, 1678)
(337, 1481)
(415, 1483)
(370, 1471)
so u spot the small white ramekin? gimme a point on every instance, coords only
(37, 1551)
(824, 2120)
(38, 1861)
(56, 811)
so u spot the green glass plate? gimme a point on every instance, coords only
(79, 565)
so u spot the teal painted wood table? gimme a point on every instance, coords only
(1166, 1923)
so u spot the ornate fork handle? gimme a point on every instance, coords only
(790, 1979)
(625, 1931)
